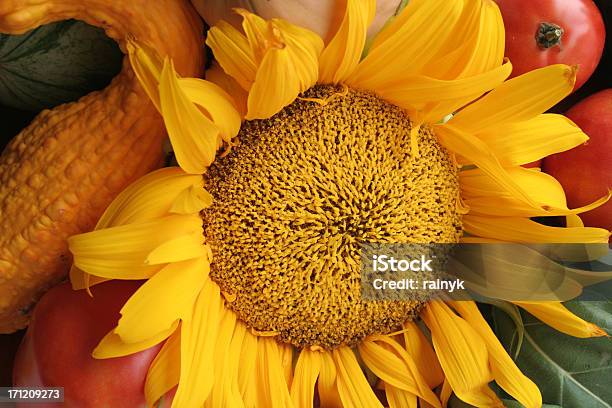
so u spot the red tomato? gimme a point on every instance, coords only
(586, 171)
(545, 32)
(56, 351)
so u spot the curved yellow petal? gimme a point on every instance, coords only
(521, 98)
(307, 371)
(557, 316)
(198, 336)
(193, 135)
(392, 364)
(162, 299)
(288, 67)
(462, 354)
(477, 152)
(150, 197)
(489, 42)
(216, 102)
(112, 345)
(233, 53)
(353, 387)
(216, 75)
(515, 229)
(484, 196)
(191, 200)
(517, 143)
(506, 373)
(147, 65)
(420, 351)
(341, 56)
(164, 371)
(153, 196)
(121, 252)
(272, 388)
(476, 46)
(410, 40)
(432, 98)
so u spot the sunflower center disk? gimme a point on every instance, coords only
(294, 201)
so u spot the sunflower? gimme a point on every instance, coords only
(292, 153)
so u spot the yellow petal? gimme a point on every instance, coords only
(506, 373)
(246, 374)
(341, 56)
(521, 98)
(121, 252)
(272, 389)
(477, 152)
(193, 135)
(191, 200)
(161, 300)
(233, 52)
(393, 365)
(398, 398)
(353, 387)
(573, 220)
(423, 355)
(286, 351)
(112, 345)
(462, 355)
(239, 96)
(517, 143)
(445, 393)
(515, 229)
(562, 319)
(487, 51)
(150, 197)
(186, 246)
(235, 364)
(305, 378)
(408, 42)
(216, 102)
(327, 384)
(259, 34)
(484, 196)
(415, 93)
(286, 69)
(147, 66)
(198, 336)
(164, 372)
(225, 389)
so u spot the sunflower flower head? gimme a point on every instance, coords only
(309, 150)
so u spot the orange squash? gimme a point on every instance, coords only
(59, 174)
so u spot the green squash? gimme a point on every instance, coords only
(54, 64)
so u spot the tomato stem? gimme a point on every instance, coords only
(549, 35)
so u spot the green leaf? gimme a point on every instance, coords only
(455, 402)
(570, 372)
(515, 404)
(54, 64)
(513, 312)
